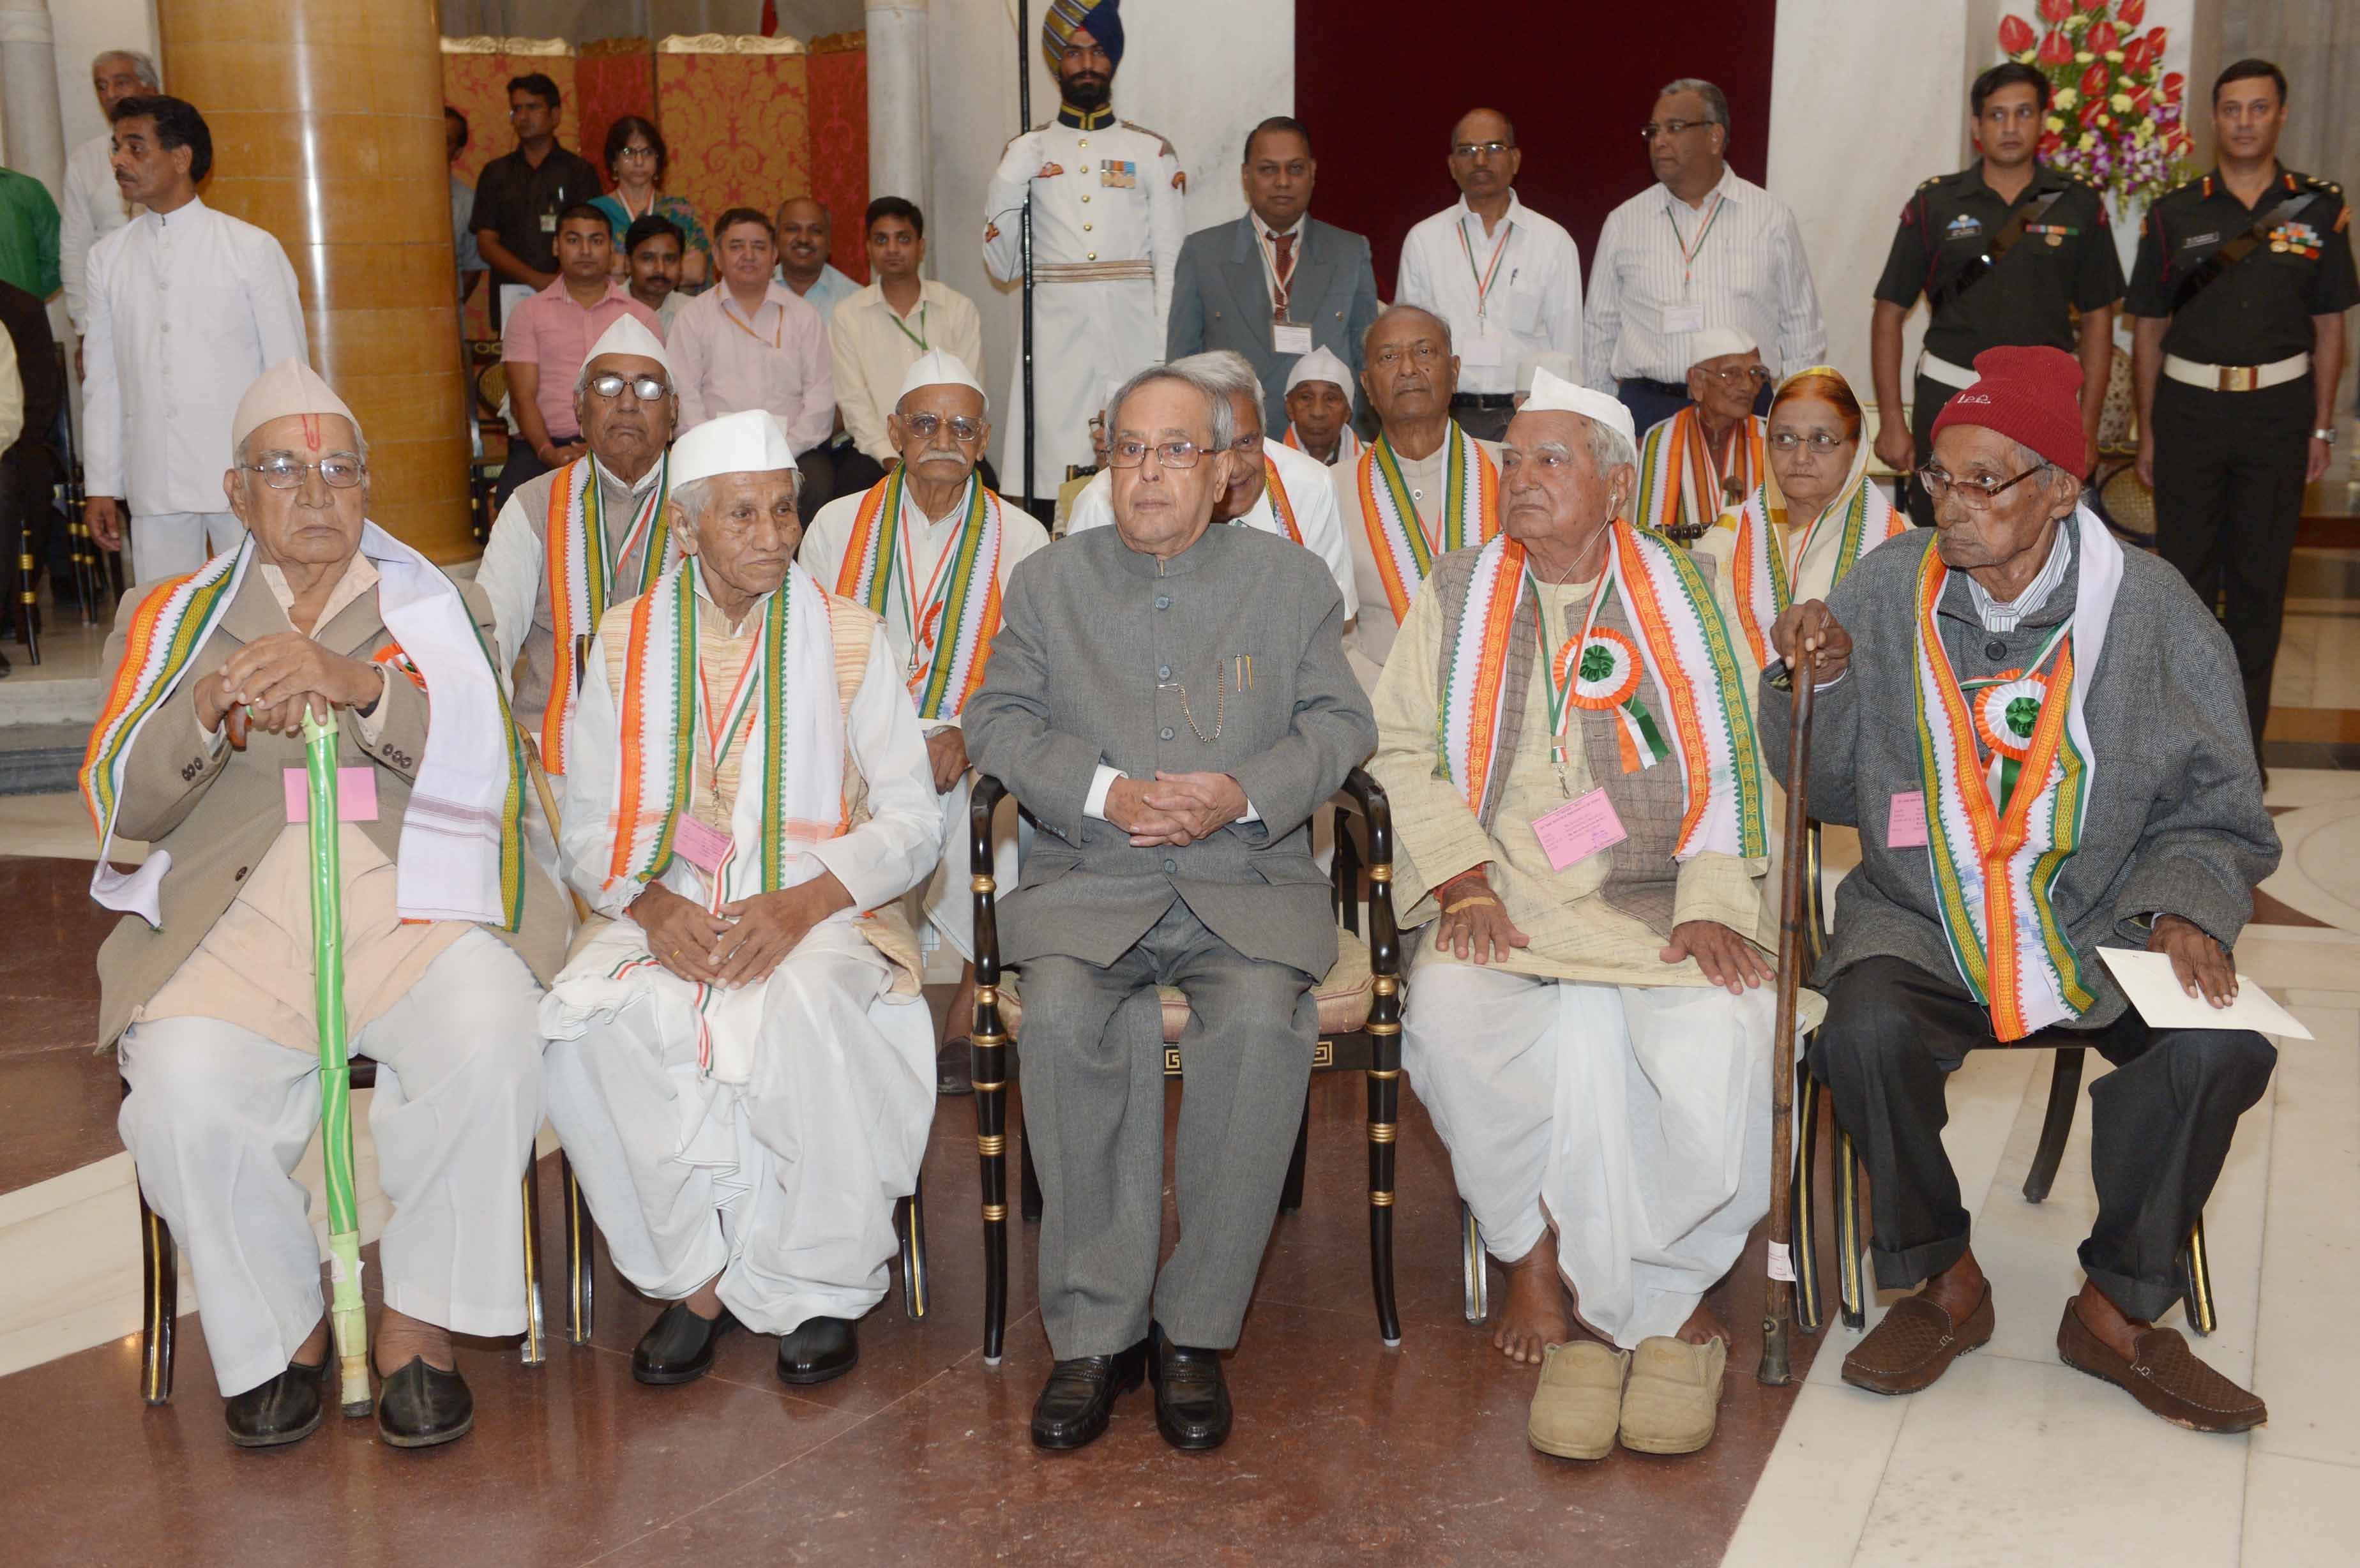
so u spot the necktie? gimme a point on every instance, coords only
(1282, 274)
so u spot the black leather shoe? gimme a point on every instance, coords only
(678, 1346)
(285, 1410)
(953, 1068)
(1078, 1398)
(1191, 1402)
(821, 1350)
(421, 1406)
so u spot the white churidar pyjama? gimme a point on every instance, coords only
(1634, 1120)
(783, 1185)
(219, 1116)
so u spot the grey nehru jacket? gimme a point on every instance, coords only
(1227, 658)
(2175, 823)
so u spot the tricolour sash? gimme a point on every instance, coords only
(963, 596)
(1687, 654)
(1998, 838)
(1280, 506)
(1762, 580)
(1680, 486)
(1397, 541)
(581, 564)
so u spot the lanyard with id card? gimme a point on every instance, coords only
(1582, 827)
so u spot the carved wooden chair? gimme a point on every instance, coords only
(1360, 1030)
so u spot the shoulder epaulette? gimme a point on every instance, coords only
(1929, 183)
(1169, 151)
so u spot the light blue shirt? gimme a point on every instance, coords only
(832, 288)
(462, 238)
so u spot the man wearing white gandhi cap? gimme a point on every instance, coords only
(738, 1060)
(572, 540)
(1564, 732)
(206, 984)
(929, 549)
(1319, 408)
(1707, 457)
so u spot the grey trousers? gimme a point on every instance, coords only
(1094, 1114)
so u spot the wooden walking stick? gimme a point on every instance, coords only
(347, 1317)
(1778, 1303)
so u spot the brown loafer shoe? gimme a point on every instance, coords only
(1914, 1345)
(2165, 1376)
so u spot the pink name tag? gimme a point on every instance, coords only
(1905, 822)
(356, 794)
(1578, 829)
(704, 846)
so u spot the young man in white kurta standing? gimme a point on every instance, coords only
(187, 306)
(1107, 231)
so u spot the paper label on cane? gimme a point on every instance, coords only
(356, 794)
(704, 845)
(1683, 318)
(337, 1269)
(1904, 820)
(1782, 1263)
(1290, 337)
(1578, 829)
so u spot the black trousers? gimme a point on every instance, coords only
(2160, 1126)
(1927, 398)
(2228, 498)
(1485, 424)
(521, 463)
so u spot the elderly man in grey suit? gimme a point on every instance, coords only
(1277, 283)
(1170, 702)
(2042, 738)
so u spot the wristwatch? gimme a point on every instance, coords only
(2327, 435)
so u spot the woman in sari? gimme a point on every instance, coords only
(636, 157)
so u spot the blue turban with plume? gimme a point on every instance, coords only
(1103, 18)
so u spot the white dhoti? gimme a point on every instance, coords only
(218, 1115)
(782, 1184)
(947, 899)
(1633, 1120)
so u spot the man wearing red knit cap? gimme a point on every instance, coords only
(2042, 739)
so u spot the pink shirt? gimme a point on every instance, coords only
(551, 330)
(726, 362)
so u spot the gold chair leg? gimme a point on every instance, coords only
(1854, 1288)
(2196, 1282)
(535, 1340)
(581, 1256)
(909, 1225)
(1473, 1266)
(1803, 1244)
(159, 1266)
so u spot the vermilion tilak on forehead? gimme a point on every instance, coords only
(312, 431)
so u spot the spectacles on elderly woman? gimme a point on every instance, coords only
(1819, 441)
(285, 471)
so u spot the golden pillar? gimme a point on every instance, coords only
(327, 126)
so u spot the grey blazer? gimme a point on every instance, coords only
(1220, 299)
(1103, 656)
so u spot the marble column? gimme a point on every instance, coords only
(28, 77)
(327, 126)
(900, 102)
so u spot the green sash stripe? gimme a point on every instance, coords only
(774, 718)
(195, 626)
(1389, 470)
(1745, 763)
(969, 545)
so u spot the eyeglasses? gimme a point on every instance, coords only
(1738, 375)
(638, 152)
(1423, 352)
(1978, 492)
(923, 426)
(1653, 129)
(1168, 454)
(1472, 150)
(646, 388)
(285, 471)
(1819, 441)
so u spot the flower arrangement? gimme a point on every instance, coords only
(2115, 115)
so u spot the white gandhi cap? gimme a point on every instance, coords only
(936, 368)
(1320, 364)
(1556, 393)
(749, 441)
(287, 388)
(1714, 341)
(629, 335)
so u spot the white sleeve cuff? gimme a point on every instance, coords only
(371, 725)
(1094, 804)
(1250, 814)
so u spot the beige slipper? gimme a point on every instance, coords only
(1674, 1397)
(1575, 1406)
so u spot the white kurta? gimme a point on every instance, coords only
(93, 208)
(1107, 232)
(186, 310)
(218, 1115)
(1310, 491)
(800, 1162)
(1532, 307)
(946, 902)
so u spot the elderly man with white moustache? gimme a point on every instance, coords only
(736, 1058)
(1564, 732)
(929, 549)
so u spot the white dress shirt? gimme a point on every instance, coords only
(1747, 271)
(94, 207)
(186, 310)
(1533, 307)
(871, 348)
(1310, 491)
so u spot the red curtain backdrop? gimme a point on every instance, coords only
(839, 143)
(1380, 82)
(614, 77)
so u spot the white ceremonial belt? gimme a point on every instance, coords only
(2236, 377)
(1093, 271)
(1934, 368)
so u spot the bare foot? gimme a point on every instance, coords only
(706, 1302)
(1534, 1316)
(2117, 1328)
(313, 1351)
(400, 1338)
(1958, 1290)
(1704, 1326)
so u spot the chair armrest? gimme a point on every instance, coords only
(981, 804)
(1384, 936)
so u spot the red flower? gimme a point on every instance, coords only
(2137, 56)
(2050, 144)
(2103, 37)
(2094, 81)
(2131, 13)
(2140, 97)
(2056, 50)
(2157, 37)
(2090, 108)
(2173, 83)
(2056, 10)
(2015, 35)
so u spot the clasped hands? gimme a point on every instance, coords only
(1175, 809)
(268, 684)
(740, 942)
(1474, 925)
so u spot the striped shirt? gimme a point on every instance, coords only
(1998, 617)
(1665, 271)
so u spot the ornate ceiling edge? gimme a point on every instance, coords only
(487, 44)
(727, 43)
(840, 43)
(600, 48)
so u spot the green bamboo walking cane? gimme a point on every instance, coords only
(348, 1318)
